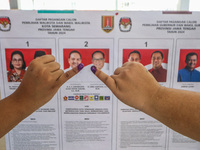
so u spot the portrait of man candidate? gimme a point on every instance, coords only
(39, 53)
(98, 60)
(189, 73)
(159, 73)
(74, 59)
(134, 56)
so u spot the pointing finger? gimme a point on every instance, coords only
(69, 74)
(106, 79)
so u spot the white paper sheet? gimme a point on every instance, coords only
(84, 114)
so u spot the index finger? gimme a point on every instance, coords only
(69, 74)
(106, 79)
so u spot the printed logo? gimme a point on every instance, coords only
(65, 98)
(96, 97)
(107, 23)
(107, 97)
(76, 97)
(70, 97)
(86, 98)
(81, 98)
(101, 98)
(91, 98)
(5, 24)
(125, 24)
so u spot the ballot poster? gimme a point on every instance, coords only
(84, 114)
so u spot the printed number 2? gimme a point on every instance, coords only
(27, 43)
(146, 44)
(86, 43)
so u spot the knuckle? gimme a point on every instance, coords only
(126, 71)
(132, 64)
(75, 70)
(67, 75)
(33, 63)
(49, 78)
(107, 79)
(44, 69)
(58, 65)
(61, 71)
(52, 57)
(126, 63)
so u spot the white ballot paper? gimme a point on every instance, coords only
(84, 114)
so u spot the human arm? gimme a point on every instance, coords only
(136, 87)
(40, 83)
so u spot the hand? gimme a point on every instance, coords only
(41, 81)
(131, 83)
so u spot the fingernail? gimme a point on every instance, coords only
(80, 67)
(93, 69)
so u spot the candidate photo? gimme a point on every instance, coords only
(88, 57)
(74, 59)
(17, 67)
(134, 56)
(190, 72)
(157, 70)
(154, 60)
(17, 61)
(98, 60)
(131, 55)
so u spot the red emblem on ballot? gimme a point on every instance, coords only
(76, 97)
(107, 23)
(5, 24)
(125, 24)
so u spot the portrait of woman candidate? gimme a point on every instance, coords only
(17, 67)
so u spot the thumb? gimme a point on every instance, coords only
(69, 74)
(106, 79)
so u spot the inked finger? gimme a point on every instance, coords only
(106, 79)
(69, 74)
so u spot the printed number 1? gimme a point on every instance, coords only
(146, 44)
(27, 43)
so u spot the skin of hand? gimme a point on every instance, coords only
(40, 83)
(136, 87)
(129, 84)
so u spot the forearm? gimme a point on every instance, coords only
(40, 83)
(178, 109)
(12, 111)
